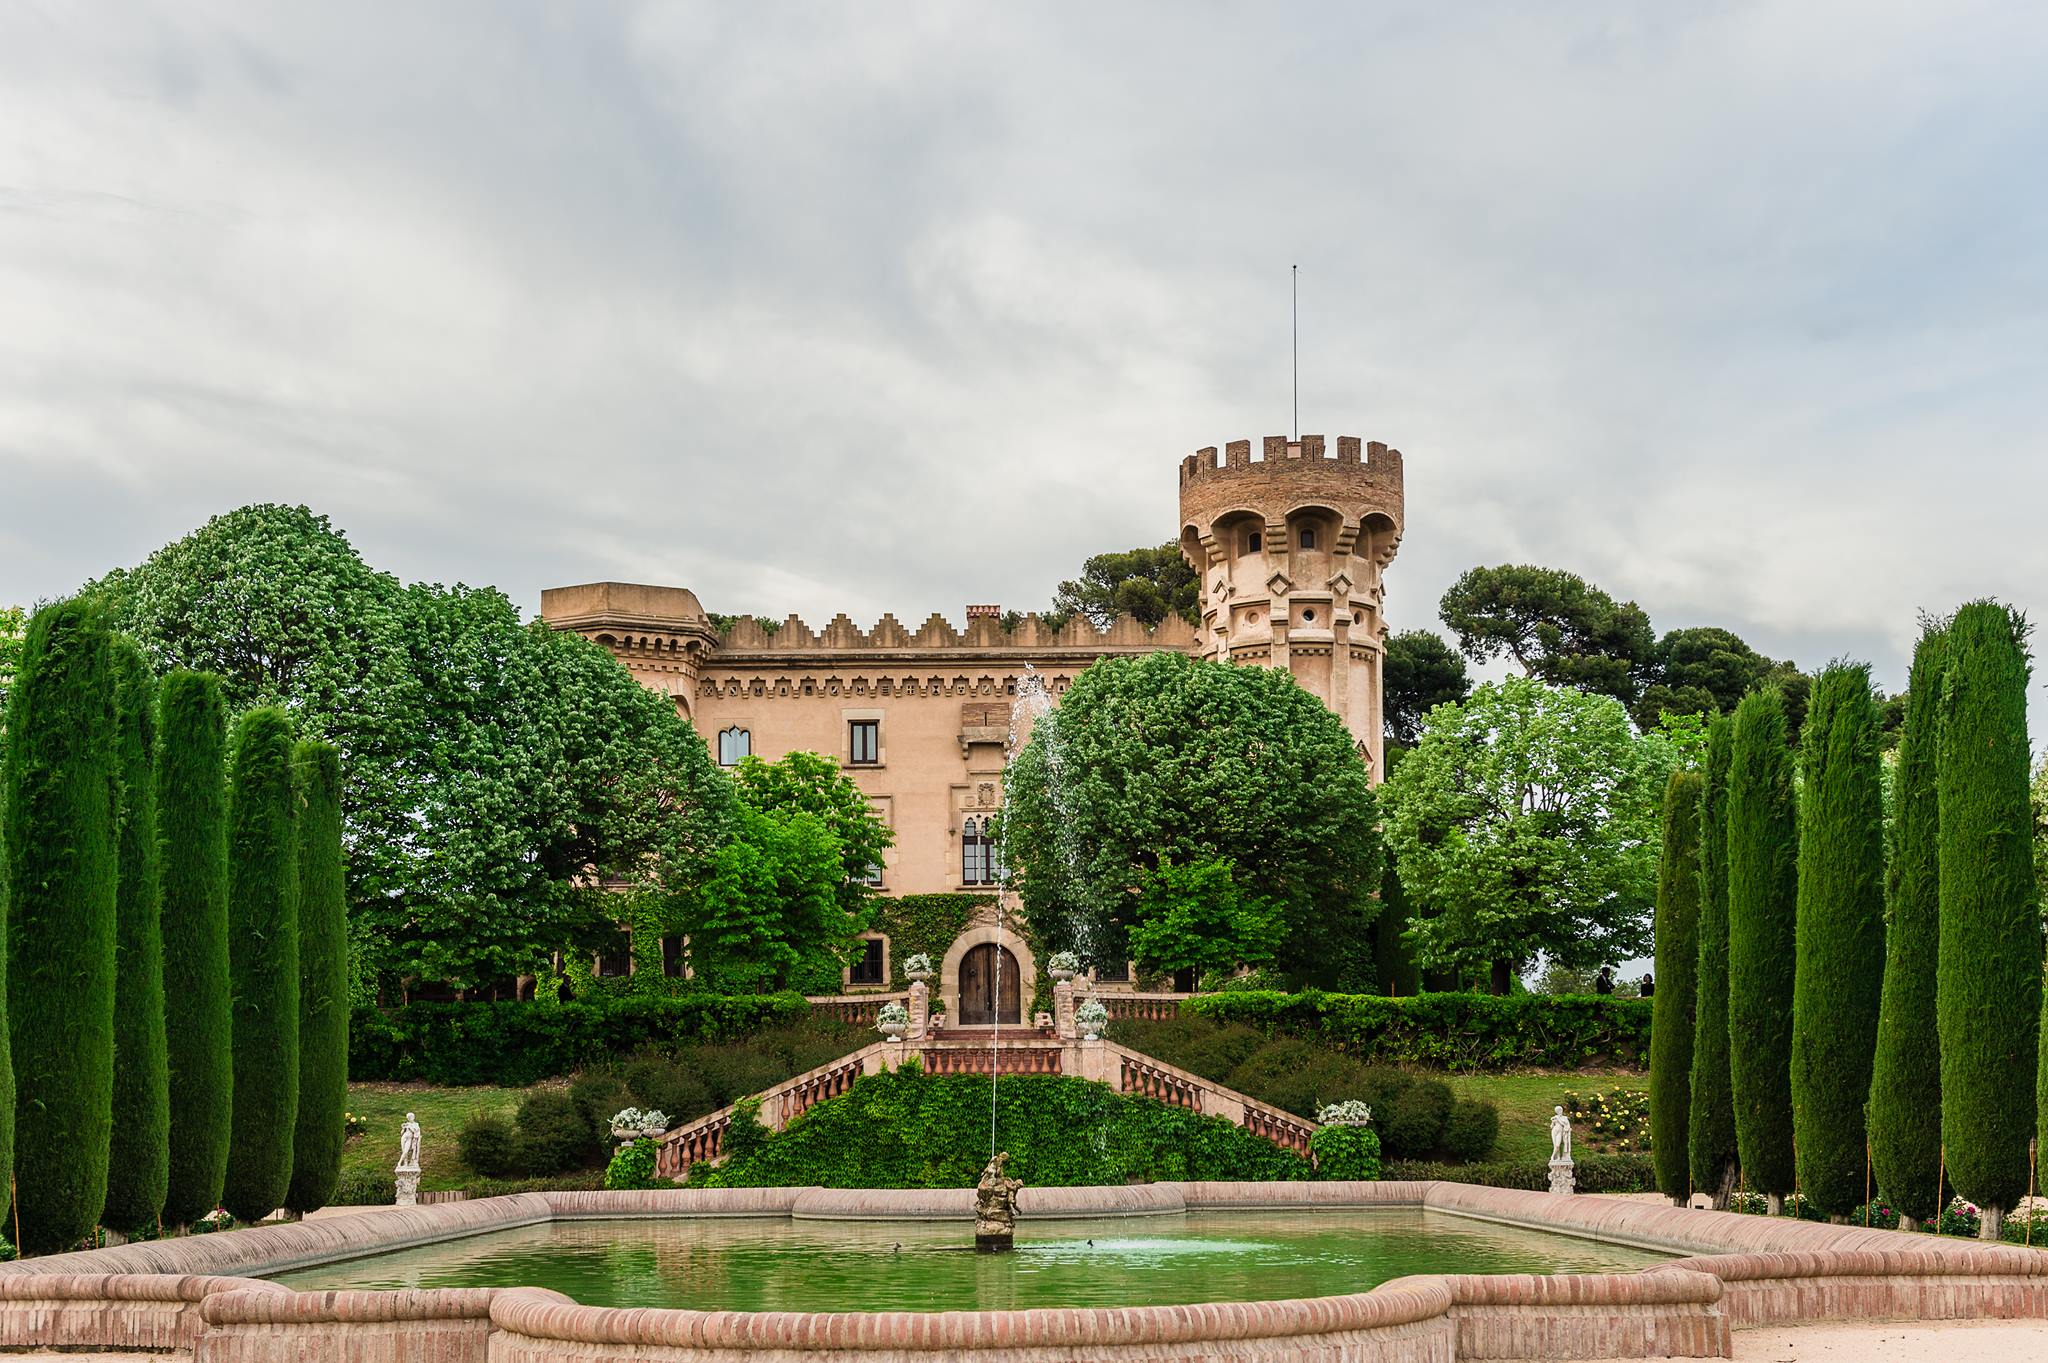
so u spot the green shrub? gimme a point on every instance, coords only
(323, 978)
(554, 1135)
(1345, 1152)
(192, 822)
(1677, 929)
(1710, 1114)
(1595, 1173)
(672, 1087)
(575, 1180)
(490, 1147)
(1412, 1126)
(598, 1093)
(633, 1167)
(514, 1045)
(62, 879)
(1449, 1031)
(358, 1188)
(1471, 1131)
(1763, 887)
(263, 961)
(137, 1171)
(905, 1129)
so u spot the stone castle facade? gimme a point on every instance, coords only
(1291, 542)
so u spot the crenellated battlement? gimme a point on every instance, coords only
(1279, 457)
(983, 633)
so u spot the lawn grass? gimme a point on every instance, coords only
(1525, 1102)
(442, 1112)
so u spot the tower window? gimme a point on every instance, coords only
(733, 744)
(1308, 537)
(977, 854)
(1253, 541)
(865, 742)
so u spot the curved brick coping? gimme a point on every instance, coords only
(957, 1204)
(1244, 1196)
(532, 1318)
(145, 1312)
(282, 1306)
(693, 1202)
(1914, 1282)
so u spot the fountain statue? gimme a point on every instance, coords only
(408, 1171)
(995, 1208)
(1563, 1178)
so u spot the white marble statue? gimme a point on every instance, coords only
(1560, 1135)
(409, 1145)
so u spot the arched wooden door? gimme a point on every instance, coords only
(989, 987)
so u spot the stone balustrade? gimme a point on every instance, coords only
(856, 1010)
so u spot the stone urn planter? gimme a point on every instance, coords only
(892, 1021)
(632, 1124)
(1091, 1017)
(919, 968)
(1064, 965)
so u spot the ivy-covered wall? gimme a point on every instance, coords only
(925, 923)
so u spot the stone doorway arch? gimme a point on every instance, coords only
(1021, 965)
(991, 993)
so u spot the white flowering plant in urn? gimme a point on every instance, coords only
(919, 967)
(1350, 1112)
(892, 1020)
(1063, 965)
(632, 1123)
(1091, 1017)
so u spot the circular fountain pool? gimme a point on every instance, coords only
(778, 1265)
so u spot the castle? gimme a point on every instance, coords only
(1290, 541)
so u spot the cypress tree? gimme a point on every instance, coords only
(323, 979)
(62, 786)
(1905, 1081)
(1398, 973)
(1671, 1017)
(1988, 970)
(137, 1166)
(263, 964)
(192, 819)
(1763, 886)
(1710, 1130)
(1840, 952)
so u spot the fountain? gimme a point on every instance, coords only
(995, 1208)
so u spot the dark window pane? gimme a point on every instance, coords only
(868, 969)
(867, 741)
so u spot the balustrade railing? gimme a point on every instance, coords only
(857, 1010)
(1020, 1059)
(703, 1139)
(1139, 1007)
(1149, 1081)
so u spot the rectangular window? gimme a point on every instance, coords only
(672, 956)
(977, 854)
(866, 741)
(868, 969)
(1113, 972)
(617, 962)
(873, 876)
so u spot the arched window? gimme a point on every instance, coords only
(733, 744)
(1308, 537)
(1253, 541)
(977, 854)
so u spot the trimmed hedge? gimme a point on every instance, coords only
(323, 978)
(138, 1172)
(907, 1129)
(1710, 1121)
(1677, 929)
(1450, 1031)
(1595, 1173)
(513, 1044)
(1763, 892)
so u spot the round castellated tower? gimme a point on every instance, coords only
(1290, 545)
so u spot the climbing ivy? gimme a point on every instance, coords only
(925, 923)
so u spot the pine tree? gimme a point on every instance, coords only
(323, 979)
(1988, 971)
(1710, 1132)
(1671, 1019)
(1763, 849)
(139, 1151)
(1905, 1082)
(263, 928)
(1840, 951)
(192, 819)
(62, 786)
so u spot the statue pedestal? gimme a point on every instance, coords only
(408, 1188)
(1562, 1179)
(994, 1242)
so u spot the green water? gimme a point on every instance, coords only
(780, 1265)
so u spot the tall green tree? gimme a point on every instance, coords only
(1163, 758)
(1398, 975)
(1905, 1081)
(1419, 673)
(192, 824)
(1671, 1023)
(1704, 670)
(770, 904)
(1555, 625)
(1988, 975)
(1150, 583)
(137, 1166)
(806, 782)
(1763, 896)
(1525, 821)
(263, 922)
(1839, 969)
(1710, 1131)
(62, 790)
(1197, 917)
(323, 979)
(13, 633)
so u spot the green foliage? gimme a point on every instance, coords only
(555, 1135)
(1197, 917)
(1163, 757)
(1840, 937)
(13, 634)
(1148, 583)
(1450, 1031)
(1419, 672)
(1763, 888)
(1471, 1130)
(1593, 1173)
(490, 1146)
(926, 923)
(770, 903)
(1988, 977)
(192, 797)
(323, 978)
(1703, 671)
(1671, 1030)
(1397, 971)
(1524, 821)
(515, 1044)
(633, 1167)
(62, 784)
(906, 1129)
(1413, 1118)
(804, 782)
(1345, 1152)
(137, 1171)
(1710, 1126)
(263, 963)
(364, 1189)
(1558, 627)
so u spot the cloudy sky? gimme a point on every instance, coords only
(1738, 309)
